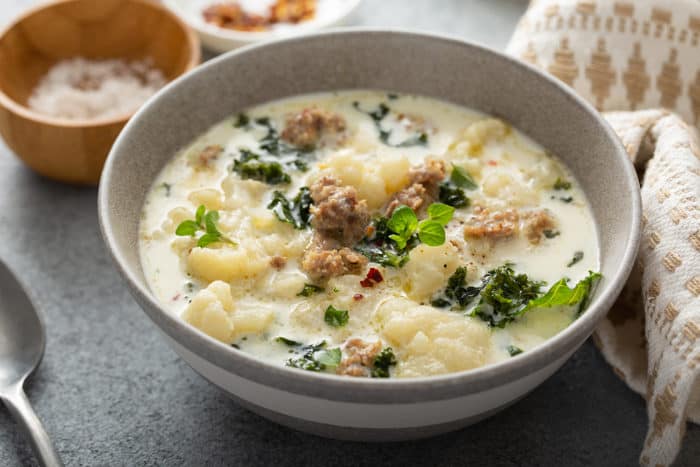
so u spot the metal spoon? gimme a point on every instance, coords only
(21, 348)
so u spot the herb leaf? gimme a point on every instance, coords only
(562, 184)
(431, 233)
(187, 228)
(377, 115)
(296, 212)
(241, 121)
(504, 296)
(457, 294)
(329, 358)
(453, 196)
(440, 213)
(309, 290)
(404, 222)
(204, 222)
(462, 179)
(560, 294)
(551, 233)
(578, 256)
(336, 318)
(315, 357)
(289, 342)
(514, 350)
(382, 362)
(250, 166)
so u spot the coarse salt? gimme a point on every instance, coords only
(84, 89)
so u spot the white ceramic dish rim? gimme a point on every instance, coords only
(400, 390)
(248, 37)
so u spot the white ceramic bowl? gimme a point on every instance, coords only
(449, 69)
(334, 13)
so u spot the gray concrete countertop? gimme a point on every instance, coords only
(110, 391)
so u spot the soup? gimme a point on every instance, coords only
(370, 234)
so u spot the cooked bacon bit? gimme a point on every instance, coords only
(493, 163)
(499, 224)
(373, 277)
(208, 154)
(321, 264)
(278, 262)
(232, 16)
(423, 188)
(292, 11)
(357, 297)
(338, 215)
(536, 222)
(359, 357)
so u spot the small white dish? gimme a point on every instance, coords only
(330, 13)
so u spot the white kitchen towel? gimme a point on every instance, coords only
(623, 56)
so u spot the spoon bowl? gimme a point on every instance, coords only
(22, 342)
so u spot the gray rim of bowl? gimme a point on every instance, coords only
(405, 390)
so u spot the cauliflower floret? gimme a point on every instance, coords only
(212, 199)
(429, 341)
(227, 263)
(428, 269)
(210, 311)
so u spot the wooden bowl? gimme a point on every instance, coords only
(75, 150)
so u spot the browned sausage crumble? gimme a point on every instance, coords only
(339, 220)
(506, 223)
(487, 224)
(313, 127)
(359, 357)
(207, 155)
(423, 187)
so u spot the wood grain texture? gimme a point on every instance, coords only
(74, 150)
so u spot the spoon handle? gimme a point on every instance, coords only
(16, 401)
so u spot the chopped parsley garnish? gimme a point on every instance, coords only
(296, 212)
(336, 318)
(514, 350)
(378, 115)
(315, 357)
(250, 166)
(394, 237)
(204, 224)
(309, 290)
(505, 295)
(551, 233)
(382, 362)
(241, 121)
(578, 256)
(562, 184)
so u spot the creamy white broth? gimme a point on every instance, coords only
(511, 171)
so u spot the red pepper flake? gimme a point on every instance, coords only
(494, 163)
(176, 297)
(357, 297)
(373, 277)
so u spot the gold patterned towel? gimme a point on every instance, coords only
(623, 56)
